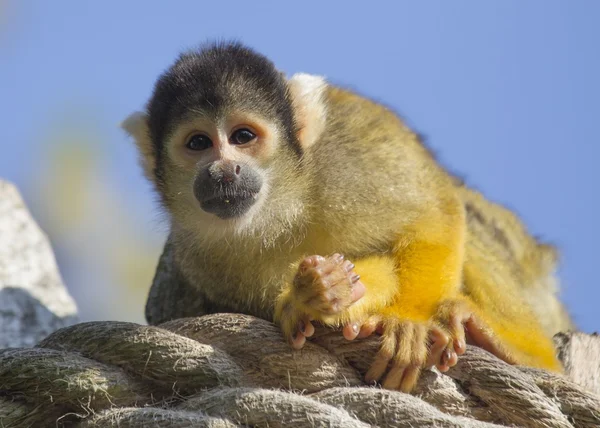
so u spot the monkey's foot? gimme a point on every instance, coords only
(323, 286)
(409, 346)
(404, 352)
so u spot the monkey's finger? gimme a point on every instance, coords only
(358, 291)
(291, 326)
(338, 278)
(377, 369)
(484, 338)
(337, 299)
(394, 378)
(442, 368)
(362, 329)
(326, 305)
(345, 293)
(329, 265)
(305, 327)
(407, 346)
(351, 330)
(419, 345)
(310, 262)
(410, 378)
(453, 315)
(338, 258)
(439, 341)
(370, 326)
(449, 359)
(453, 359)
(348, 265)
(411, 354)
(389, 345)
(457, 329)
(298, 340)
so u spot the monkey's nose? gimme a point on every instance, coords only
(224, 171)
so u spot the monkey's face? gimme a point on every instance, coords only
(221, 142)
(225, 162)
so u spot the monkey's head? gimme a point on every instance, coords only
(223, 139)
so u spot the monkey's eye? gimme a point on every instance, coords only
(242, 136)
(198, 142)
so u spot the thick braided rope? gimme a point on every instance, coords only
(229, 370)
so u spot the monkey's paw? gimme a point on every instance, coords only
(327, 285)
(323, 286)
(409, 346)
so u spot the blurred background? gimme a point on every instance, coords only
(506, 92)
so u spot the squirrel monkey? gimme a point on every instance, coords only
(298, 201)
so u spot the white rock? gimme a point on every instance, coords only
(33, 300)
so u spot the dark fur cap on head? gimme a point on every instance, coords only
(215, 78)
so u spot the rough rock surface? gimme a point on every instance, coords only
(33, 300)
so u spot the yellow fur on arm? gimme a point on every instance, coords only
(430, 261)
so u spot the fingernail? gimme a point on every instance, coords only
(355, 278)
(350, 267)
(355, 328)
(301, 326)
(446, 356)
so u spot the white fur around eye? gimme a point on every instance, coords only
(311, 110)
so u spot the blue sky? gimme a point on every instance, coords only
(506, 92)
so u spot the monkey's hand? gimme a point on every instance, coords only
(322, 287)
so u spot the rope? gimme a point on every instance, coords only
(227, 370)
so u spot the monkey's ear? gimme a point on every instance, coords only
(136, 125)
(308, 93)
